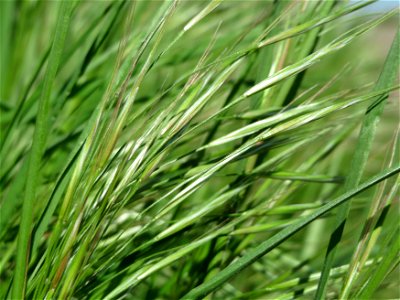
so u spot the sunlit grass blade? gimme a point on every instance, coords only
(152, 150)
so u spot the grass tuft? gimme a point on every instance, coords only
(198, 149)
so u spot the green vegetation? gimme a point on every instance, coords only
(192, 149)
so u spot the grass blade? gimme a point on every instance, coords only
(268, 245)
(390, 260)
(387, 78)
(39, 141)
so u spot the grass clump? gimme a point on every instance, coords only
(187, 150)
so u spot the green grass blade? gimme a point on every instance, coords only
(177, 142)
(390, 260)
(310, 25)
(249, 258)
(39, 141)
(386, 79)
(315, 57)
(6, 13)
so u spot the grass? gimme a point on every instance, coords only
(387, 78)
(189, 150)
(36, 152)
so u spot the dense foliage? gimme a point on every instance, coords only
(190, 149)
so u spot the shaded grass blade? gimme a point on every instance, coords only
(249, 258)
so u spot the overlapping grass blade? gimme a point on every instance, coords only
(269, 244)
(39, 142)
(181, 136)
(387, 77)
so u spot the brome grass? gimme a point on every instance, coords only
(199, 149)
